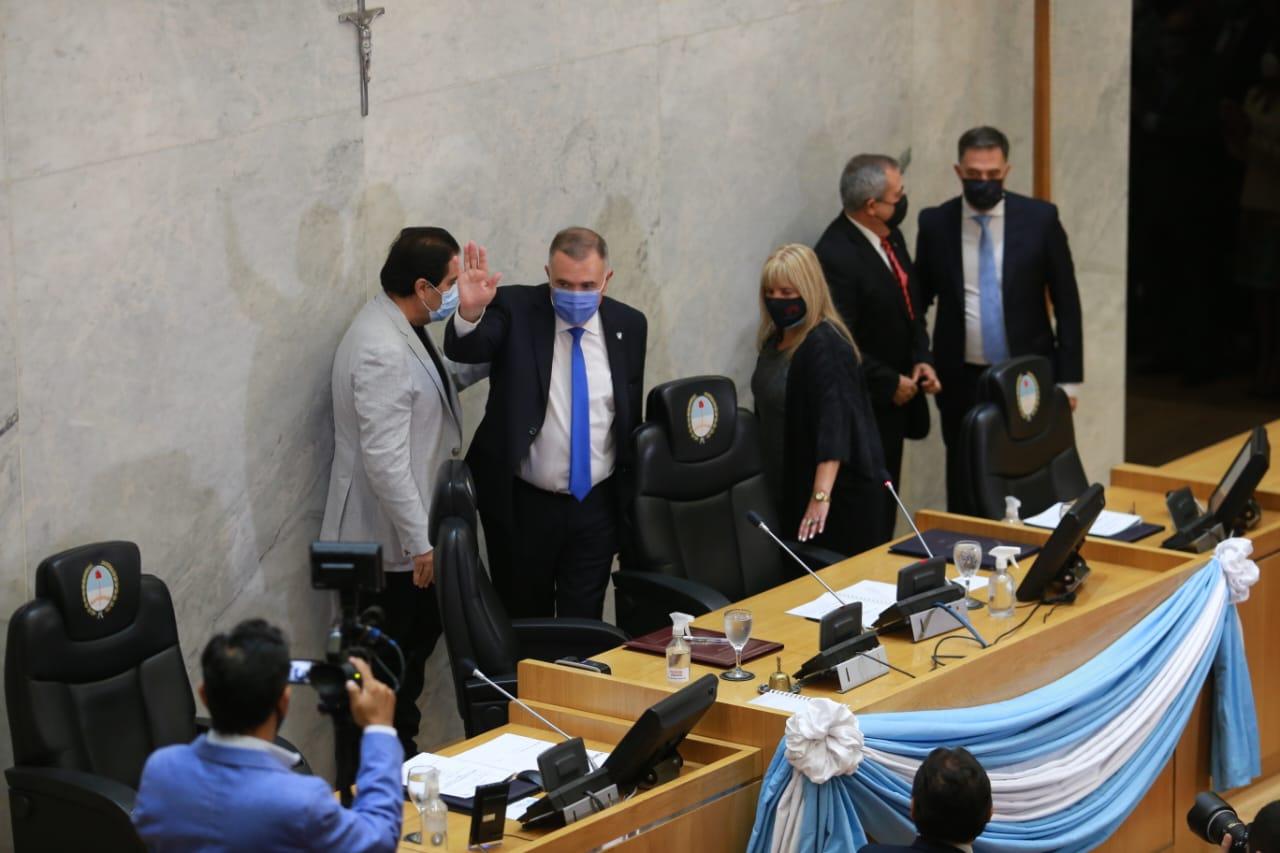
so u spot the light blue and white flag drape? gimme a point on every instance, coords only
(1068, 761)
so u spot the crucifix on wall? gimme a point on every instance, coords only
(361, 20)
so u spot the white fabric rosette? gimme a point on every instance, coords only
(1239, 571)
(823, 740)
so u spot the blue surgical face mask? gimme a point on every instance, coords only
(448, 304)
(575, 307)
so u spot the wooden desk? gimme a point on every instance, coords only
(1126, 584)
(718, 786)
(1211, 463)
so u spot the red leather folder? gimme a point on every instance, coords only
(708, 654)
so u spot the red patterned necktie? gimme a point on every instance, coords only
(900, 274)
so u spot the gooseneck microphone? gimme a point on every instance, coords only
(888, 484)
(470, 665)
(757, 521)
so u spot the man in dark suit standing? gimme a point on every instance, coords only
(869, 271)
(950, 804)
(550, 458)
(989, 257)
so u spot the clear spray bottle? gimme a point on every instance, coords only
(679, 654)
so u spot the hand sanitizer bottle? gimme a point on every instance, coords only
(1001, 591)
(678, 651)
(1011, 507)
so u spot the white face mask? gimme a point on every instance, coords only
(448, 304)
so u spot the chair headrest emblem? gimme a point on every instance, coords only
(702, 416)
(1028, 395)
(99, 588)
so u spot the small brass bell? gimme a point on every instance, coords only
(780, 680)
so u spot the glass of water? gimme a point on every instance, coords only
(417, 785)
(737, 630)
(968, 558)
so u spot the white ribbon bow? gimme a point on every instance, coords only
(823, 740)
(1239, 571)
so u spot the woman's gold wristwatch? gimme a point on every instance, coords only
(822, 497)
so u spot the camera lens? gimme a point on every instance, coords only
(1212, 817)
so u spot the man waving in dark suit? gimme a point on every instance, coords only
(990, 257)
(550, 457)
(869, 271)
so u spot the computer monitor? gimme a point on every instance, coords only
(647, 754)
(1228, 500)
(1058, 571)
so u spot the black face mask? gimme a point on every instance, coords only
(983, 195)
(785, 313)
(899, 213)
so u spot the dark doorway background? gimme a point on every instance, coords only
(1204, 224)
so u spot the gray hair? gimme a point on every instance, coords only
(864, 178)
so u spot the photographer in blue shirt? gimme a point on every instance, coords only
(234, 788)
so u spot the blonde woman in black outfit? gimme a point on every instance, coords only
(833, 469)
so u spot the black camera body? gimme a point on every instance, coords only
(352, 569)
(1211, 818)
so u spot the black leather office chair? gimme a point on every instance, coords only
(698, 471)
(476, 625)
(94, 681)
(1019, 440)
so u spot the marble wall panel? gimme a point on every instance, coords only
(757, 123)
(180, 313)
(432, 45)
(14, 583)
(88, 82)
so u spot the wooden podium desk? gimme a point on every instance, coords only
(1126, 584)
(1211, 463)
(714, 797)
(1144, 487)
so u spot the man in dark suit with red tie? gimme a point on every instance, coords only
(995, 261)
(869, 271)
(551, 458)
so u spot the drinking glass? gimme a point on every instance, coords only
(417, 785)
(737, 630)
(968, 558)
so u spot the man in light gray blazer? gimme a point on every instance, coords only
(396, 418)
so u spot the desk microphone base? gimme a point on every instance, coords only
(931, 622)
(861, 668)
(587, 806)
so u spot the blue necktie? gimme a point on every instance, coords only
(579, 422)
(995, 345)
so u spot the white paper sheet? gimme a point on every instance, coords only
(519, 807)
(1108, 523)
(876, 596)
(489, 762)
(790, 702)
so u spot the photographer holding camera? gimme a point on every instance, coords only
(1214, 820)
(234, 788)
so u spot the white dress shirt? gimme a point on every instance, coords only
(970, 237)
(547, 465)
(873, 238)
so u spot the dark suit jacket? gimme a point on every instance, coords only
(1036, 256)
(516, 337)
(920, 845)
(868, 297)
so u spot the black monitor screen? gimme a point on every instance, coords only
(1246, 471)
(658, 732)
(1060, 550)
